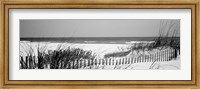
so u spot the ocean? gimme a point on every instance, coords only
(95, 40)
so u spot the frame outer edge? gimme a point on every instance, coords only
(198, 43)
(1, 48)
(1, 45)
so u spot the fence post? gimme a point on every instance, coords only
(95, 62)
(154, 57)
(92, 62)
(116, 62)
(88, 63)
(85, 63)
(21, 62)
(149, 58)
(110, 61)
(129, 60)
(77, 64)
(168, 56)
(119, 61)
(143, 58)
(69, 65)
(126, 60)
(164, 54)
(170, 53)
(106, 61)
(122, 61)
(135, 59)
(100, 61)
(132, 60)
(80, 63)
(73, 64)
(113, 62)
(26, 61)
(159, 56)
(33, 62)
(30, 62)
(175, 53)
(138, 59)
(146, 57)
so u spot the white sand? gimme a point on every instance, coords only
(100, 50)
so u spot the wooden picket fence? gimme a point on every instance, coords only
(160, 56)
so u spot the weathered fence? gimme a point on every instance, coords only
(159, 56)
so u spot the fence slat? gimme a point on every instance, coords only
(113, 61)
(117, 62)
(110, 61)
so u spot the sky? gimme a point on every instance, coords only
(93, 27)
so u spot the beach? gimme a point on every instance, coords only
(100, 50)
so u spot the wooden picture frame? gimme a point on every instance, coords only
(97, 84)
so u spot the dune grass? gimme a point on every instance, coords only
(56, 59)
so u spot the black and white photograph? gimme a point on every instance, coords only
(110, 44)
